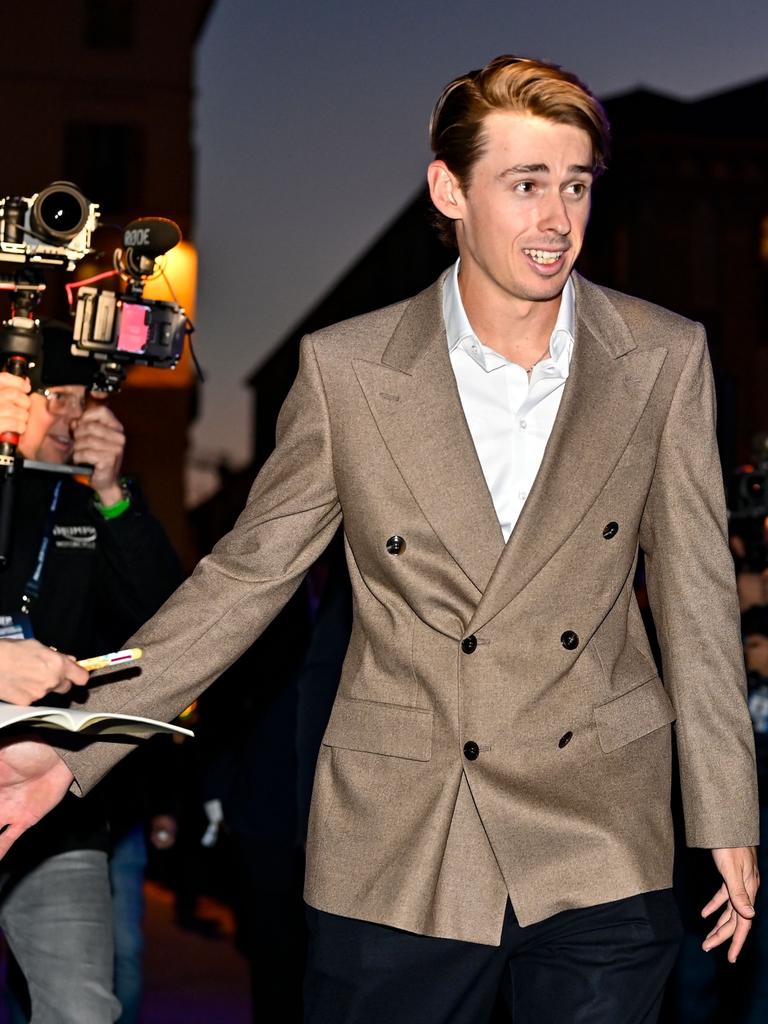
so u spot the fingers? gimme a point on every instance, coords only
(33, 670)
(99, 435)
(12, 383)
(730, 926)
(720, 897)
(738, 868)
(100, 415)
(15, 403)
(75, 674)
(100, 441)
(68, 671)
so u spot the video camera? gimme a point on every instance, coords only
(51, 228)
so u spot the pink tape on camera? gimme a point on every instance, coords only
(133, 328)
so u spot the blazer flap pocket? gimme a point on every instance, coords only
(380, 728)
(633, 714)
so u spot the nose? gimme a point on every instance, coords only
(554, 215)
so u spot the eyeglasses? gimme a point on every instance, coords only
(61, 402)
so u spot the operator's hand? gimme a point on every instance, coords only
(15, 403)
(738, 866)
(100, 440)
(33, 779)
(29, 670)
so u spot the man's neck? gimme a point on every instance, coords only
(518, 329)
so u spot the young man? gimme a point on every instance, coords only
(491, 803)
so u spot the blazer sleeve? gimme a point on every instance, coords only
(291, 515)
(691, 588)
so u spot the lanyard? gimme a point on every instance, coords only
(32, 588)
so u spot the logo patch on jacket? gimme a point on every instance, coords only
(75, 536)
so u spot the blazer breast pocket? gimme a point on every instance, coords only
(633, 714)
(377, 728)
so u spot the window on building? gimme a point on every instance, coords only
(107, 162)
(109, 24)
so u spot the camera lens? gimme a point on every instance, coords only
(59, 212)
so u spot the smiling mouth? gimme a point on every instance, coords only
(544, 257)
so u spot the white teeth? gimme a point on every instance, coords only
(541, 256)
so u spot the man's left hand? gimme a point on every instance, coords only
(738, 867)
(100, 440)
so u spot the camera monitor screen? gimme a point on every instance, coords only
(133, 332)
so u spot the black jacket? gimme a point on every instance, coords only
(102, 578)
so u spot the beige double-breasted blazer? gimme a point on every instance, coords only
(563, 800)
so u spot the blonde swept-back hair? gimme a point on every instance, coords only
(515, 84)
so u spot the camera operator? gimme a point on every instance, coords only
(102, 565)
(29, 670)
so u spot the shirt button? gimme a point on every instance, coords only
(522, 495)
(469, 644)
(565, 739)
(471, 751)
(523, 424)
(610, 530)
(395, 545)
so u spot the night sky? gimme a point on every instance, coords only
(312, 135)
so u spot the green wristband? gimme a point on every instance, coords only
(113, 511)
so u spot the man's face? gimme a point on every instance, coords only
(520, 223)
(48, 436)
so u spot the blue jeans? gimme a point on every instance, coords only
(57, 922)
(126, 875)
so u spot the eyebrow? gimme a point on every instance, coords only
(543, 169)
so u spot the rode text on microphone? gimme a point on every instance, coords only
(123, 329)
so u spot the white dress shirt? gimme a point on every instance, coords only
(510, 415)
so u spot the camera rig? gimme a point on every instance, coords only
(53, 228)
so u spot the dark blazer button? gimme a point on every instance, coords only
(610, 530)
(471, 751)
(469, 643)
(396, 545)
(570, 640)
(565, 739)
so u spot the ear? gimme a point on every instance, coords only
(445, 190)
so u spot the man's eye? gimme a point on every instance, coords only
(525, 186)
(577, 188)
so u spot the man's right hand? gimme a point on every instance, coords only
(15, 403)
(29, 670)
(33, 779)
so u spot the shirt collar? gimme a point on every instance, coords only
(459, 329)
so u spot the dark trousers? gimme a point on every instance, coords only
(601, 965)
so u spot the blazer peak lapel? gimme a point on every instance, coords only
(413, 397)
